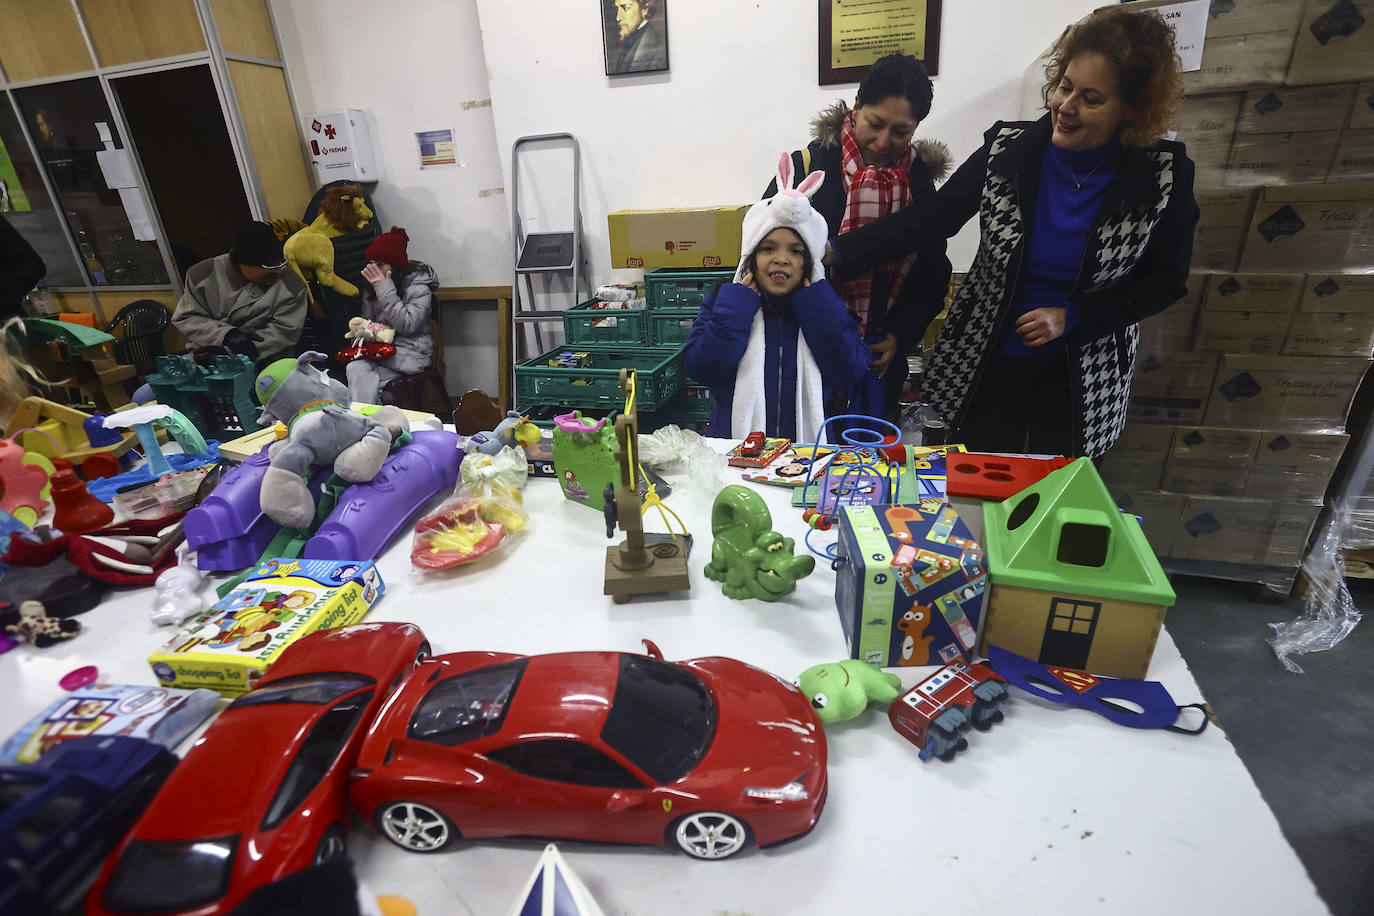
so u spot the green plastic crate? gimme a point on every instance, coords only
(678, 288)
(659, 376)
(583, 324)
(670, 328)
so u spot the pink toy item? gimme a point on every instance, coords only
(21, 484)
(84, 676)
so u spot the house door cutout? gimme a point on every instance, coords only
(1069, 633)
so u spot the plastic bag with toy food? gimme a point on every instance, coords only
(485, 512)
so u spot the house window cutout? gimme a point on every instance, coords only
(1023, 511)
(1083, 545)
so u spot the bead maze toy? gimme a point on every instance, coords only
(638, 564)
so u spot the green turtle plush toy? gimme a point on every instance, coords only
(842, 690)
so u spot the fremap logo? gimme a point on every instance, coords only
(1283, 223)
(1341, 21)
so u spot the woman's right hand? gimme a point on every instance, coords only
(373, 274)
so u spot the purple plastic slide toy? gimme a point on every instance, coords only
(229, 530)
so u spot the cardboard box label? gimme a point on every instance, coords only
(1284, 110)
(1143, 442)
(1326, 292)
(1335, 42)
(1331, 334)
(1224, 207)
(1283, 159)
(1207, 443)
(1259, 333)
(1285, 447)
(1240, 17)
(1265, 483)
(1218, 247)
(1354, 160)
(1319, 228)
(1232, 292)
(1241, 62)
(1165, 372)
(1255, 391)
(1202, 478)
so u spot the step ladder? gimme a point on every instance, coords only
(553, 255)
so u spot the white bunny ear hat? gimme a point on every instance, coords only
(790, 208)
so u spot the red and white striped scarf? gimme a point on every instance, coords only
(871, 192)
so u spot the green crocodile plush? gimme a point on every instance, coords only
(747, 555)
(842, 690)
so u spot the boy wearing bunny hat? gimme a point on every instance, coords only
(775, 344)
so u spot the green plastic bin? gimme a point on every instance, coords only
(680, 288)
(583, 324)
(659, 377)
(670, 328)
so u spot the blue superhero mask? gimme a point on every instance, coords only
(1137, 704)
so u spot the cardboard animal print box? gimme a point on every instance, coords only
(230, 646)
(910, 584)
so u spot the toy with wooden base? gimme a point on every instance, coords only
(632, 566)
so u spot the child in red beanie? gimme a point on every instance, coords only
(400, 296)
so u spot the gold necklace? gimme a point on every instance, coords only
(1078, 182)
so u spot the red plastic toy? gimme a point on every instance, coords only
(935, 713)
(75, 510)
(995, 477)
(708, 754)
(263, 793)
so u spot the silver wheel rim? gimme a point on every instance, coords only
(416, 827)
(711, 835)
(331, 847)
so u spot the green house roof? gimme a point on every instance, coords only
(1065, 533)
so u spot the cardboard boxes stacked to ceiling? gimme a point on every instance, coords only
(1242, 390)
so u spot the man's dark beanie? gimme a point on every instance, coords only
(257, 245)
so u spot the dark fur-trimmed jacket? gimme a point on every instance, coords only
(923, 291)
(1135, 264)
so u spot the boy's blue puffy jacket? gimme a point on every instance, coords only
(716, 345)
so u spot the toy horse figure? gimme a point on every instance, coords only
(310, 252)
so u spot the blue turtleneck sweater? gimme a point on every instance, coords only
(1072, 186)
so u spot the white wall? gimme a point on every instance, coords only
(742, 89)
(411, 65)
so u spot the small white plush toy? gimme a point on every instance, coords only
(178, 595)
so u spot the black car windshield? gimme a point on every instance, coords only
(468, 706)
(170, 877)
(317, 689)
(15, 788)
(662, 718)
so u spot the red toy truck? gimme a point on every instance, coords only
(935, 713)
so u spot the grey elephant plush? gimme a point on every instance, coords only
(322, 431)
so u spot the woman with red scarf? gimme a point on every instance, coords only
(873, 168)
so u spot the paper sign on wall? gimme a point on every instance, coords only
(1189, 22)
(436, 148)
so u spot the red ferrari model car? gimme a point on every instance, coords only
(263, 793)
(708, 754)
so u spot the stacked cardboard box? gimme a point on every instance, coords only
(1242, 390)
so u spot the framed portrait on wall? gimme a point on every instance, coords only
(634, 34)
(855, 33)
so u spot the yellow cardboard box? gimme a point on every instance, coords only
(230, 646)
(690, 237)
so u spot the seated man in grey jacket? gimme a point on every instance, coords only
(246, 301)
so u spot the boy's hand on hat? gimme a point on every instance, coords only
(885, 350)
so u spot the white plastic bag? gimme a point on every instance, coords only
(485, 511)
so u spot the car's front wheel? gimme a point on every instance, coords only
(416, 827)
(710, 835)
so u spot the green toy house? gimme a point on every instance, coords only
(1074, 583)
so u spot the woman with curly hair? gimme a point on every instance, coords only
(1086, 221)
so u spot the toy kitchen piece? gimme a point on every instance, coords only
(633, 566)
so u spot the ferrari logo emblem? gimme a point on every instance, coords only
(667, 805)
(1078, 680)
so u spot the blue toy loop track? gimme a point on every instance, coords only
(855, 475)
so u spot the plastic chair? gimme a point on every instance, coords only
(138, 330)
(425, 390)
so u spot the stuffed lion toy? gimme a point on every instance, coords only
(310, 252)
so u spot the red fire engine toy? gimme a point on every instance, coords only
(935, 713)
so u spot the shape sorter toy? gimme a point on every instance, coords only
(230, 646)
(1074, 582)
(910, 584)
